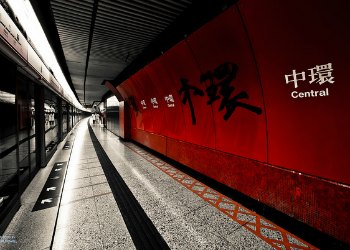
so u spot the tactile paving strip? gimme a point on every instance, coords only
(142, 231)
(274, 235)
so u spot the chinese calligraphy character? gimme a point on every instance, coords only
(232, 104)
(295, 78)
(212, 89)
(154, 102)
(186, 88)
(226, 73)
(322, 74)
(170, 101)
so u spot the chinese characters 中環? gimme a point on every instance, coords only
(319, 74)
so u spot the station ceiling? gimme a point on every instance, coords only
(97, 40)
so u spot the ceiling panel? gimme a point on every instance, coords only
(110, 36)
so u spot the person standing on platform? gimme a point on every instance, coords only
(97, 118)
(93, 118)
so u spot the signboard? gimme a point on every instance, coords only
(51, 191)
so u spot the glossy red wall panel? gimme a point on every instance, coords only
(143, 96)
(135, 97)
(174, 120)
(154, 101)
(155, 141)
(258, 154)
(309, 135)
(184, 80)
(221, 41)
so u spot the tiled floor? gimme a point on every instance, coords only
(89, 217)
(186, 213)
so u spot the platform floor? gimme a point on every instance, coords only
(133, 200)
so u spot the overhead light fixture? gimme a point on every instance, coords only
(23, 10)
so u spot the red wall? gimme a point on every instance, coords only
(237, 122)
(309, 135)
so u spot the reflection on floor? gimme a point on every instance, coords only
(115, 203)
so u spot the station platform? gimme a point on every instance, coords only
(99, 192)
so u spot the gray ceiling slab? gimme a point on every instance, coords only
(121, 31)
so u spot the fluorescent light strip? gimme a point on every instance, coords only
(26, 16)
